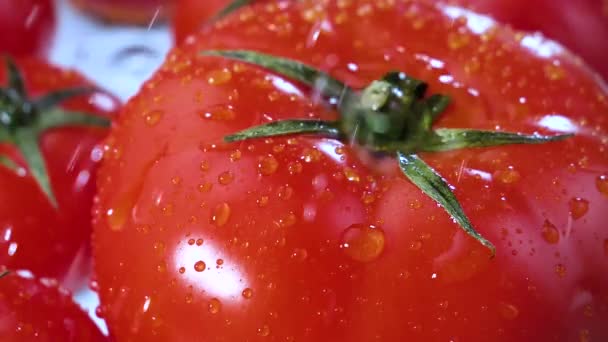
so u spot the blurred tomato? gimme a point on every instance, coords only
(26, 26)
(141, 12)
(48, 159)
(190, 15)
(37, 310)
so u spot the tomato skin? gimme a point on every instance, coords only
(282, 225)
(140, 12)
(579, 25)
(190, 16)
(26, 26)
(47, 241)
(37, 310)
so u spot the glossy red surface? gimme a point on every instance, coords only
(306, 239)
(26, 26)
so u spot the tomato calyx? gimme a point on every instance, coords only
(391, 116)
(24, 120)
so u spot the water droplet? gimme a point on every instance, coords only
(218, 77)
(578, 207)
(161, 267)
(206, 187)
(554, 72)
(351, 175)
(457, 40)
(225, 178)
(200, 266)
(294, 168)
(220, 214)
(188, 298)
(153, 117)
(550, 232)
(299, 254)
(191, 242)
(247, 293)
(182, 270)
(288, 220)
(311, 155)
(218, 113)
(264, 331)
(602, 184)
(159, 247)
(262, 201)
(363, 243)
(285, 192)
(235, 155)
(214, 305)
(508, 176)
(508, 311)
(268, 165)
(199, 242)
(560, 270)
(219, 262)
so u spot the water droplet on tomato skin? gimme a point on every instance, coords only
(264, 330)
(508, 176)
(268, 165)
(247, 293)
(601, 183)
(153, 117)
(218, 77)
(578, 207)
(550, 233)
(200, 266)
(363, 243)
(188, 298)
(214, 305)
(560, 270)
(508, 311)
(220, 214)
(225, 178)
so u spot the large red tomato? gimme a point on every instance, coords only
(580, 25)
(141, 12)
(26, 26)
(37, 310)
(311, 238)
(47, 171)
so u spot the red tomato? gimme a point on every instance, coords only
(44, 231)
(304, 238)
(142, 12)
(190, 15)
(37, 310)
(580, 25)
(26, 26)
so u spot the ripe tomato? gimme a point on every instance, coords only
(579, 25)
(304, 238)
(46, 197)
(142, 12)
(37, 310)
(26, 26)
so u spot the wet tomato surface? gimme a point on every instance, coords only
(304, 238)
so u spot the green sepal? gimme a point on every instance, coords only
(454, 139)
(26, 140)
(54, 98)
(286, 127)
(316, 79)
(15, 80)
(8, 163)
(434, 186)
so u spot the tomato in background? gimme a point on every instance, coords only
(140, 12)
(26, 26)
(303, 238)
(45, 228)
(581, 25)
(191, 15)
(37, 310)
